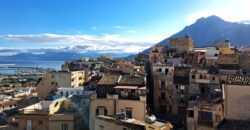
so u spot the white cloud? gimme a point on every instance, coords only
(108, 43)
(13, 51)
(119, 27)
(230, 10)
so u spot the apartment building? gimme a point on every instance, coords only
(195, 58)
(36, 116)
(112, 104)
(212, 55)
(108, 82)
(203, 81)
(164, 90)
(67, 91)
(205, 113)
(54, 114)
(181, 83)
(54, 80)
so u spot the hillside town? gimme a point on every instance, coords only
(175, 87)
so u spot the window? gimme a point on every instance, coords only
(182, 87)
(176, 86)
(182, 98)
(52, 83)
(191, 113)
(200, 76)
(101, 111)
(101, 127)
(163, 84)
(61, 93)
(129, 112)
(166, 71)
(160, 69)
(163, 96)
(40, 122)
(193, 76)
(217, 118)
(29, 125)
(65, 127)
(215, 55)
(205, 118)
(213, 78)
(52, 76)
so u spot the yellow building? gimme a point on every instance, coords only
(53, 80)
(111, 105)
(226, 50)
(184, 44)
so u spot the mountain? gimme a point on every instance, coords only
(206, 31)
(56, 56)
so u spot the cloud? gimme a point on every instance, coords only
(132, 31)
(13, 51)
(108, 43)
(229, 10)
(119, 27)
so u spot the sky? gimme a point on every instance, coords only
(104, 26)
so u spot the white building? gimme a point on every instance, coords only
(70, 91)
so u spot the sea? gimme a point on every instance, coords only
(40, 64)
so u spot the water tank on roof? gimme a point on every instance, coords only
(151, 119)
